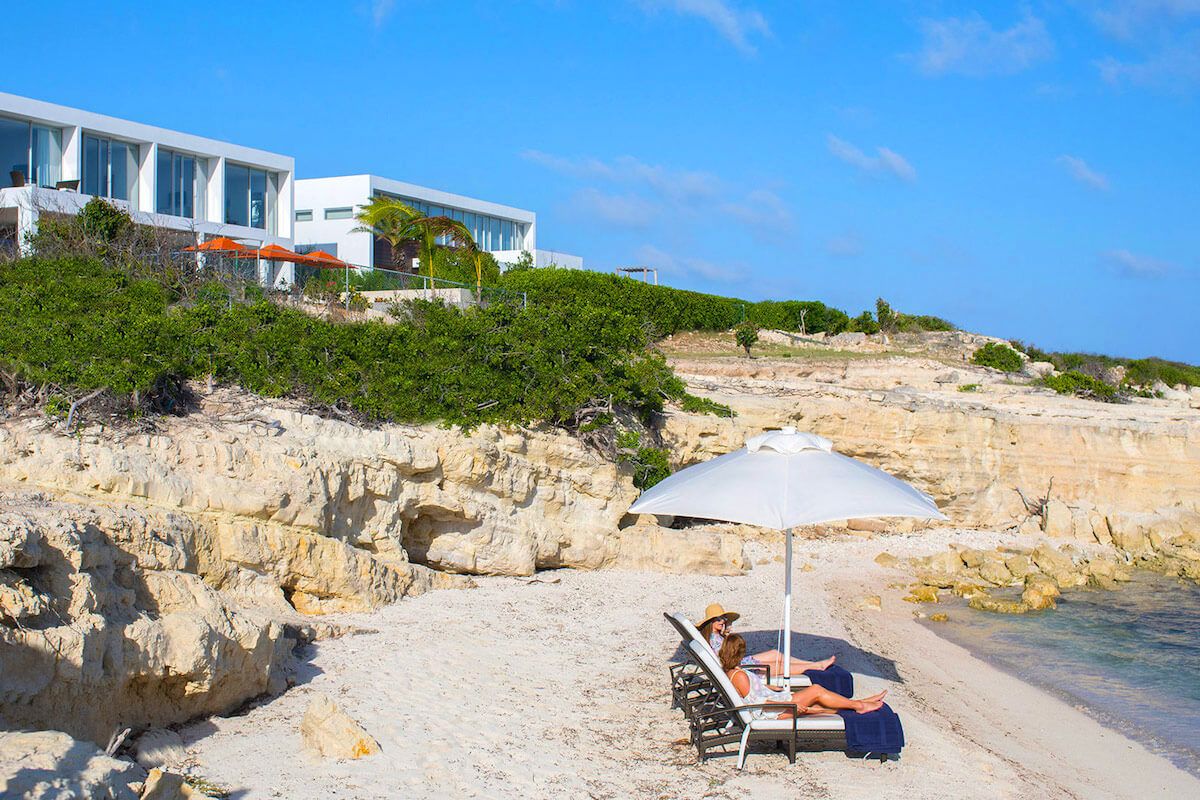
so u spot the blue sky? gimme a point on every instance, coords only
(1029, 170)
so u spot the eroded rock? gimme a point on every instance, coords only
(50, 765)
(332, 733)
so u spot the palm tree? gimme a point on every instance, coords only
(396, 221)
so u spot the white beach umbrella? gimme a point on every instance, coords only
(784, 479)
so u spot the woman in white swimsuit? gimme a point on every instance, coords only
(809, 700)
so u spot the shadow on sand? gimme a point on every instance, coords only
(814, 648)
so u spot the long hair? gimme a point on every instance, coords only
(733, 650)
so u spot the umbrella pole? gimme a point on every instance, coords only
(787, 612)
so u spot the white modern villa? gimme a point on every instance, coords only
(325, 209)
(53, 159)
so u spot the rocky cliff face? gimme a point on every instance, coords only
(167, 572)
(1112, 467)
(108, 621)
(170, 572)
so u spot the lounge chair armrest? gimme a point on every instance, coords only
(729, 712)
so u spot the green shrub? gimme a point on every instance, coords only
(885, 317)
(1081, 385)
(458, 264)
(1035, 353)
(664, 309)
(864, 323)
(702, 405)
(998, 356)
(1148, 371)
(746, 334)
(650, 464)
(807, 316)
(969, 387)
(923, 322)
(103, 221)
(80, 324)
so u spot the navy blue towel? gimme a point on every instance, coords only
(835, 679)
(875, 732)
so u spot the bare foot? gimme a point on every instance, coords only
(866, 707)
(826, 664)
(875, 697)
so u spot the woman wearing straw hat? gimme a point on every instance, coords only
(715, 627)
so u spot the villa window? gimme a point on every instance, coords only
(46, 155)
(176, 184)
(304, 216)
(110, 168)
(245, 196)
(29, 154)
(339, 213)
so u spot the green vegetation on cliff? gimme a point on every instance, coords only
(668, 311)
(1138, 372)
(80, 325)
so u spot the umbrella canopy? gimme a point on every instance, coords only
(783, 479)
(220, 244)
(326, 260)
(274, 252)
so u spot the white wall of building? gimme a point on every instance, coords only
(211, 158)
(319, 195)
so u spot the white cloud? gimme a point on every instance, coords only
(737, 25)
(575, 167)
(654, 191)
(1129, 19)
(381, 10)
(849, 245)
(679, 185)
(650, 256)
(627, 210)
(971, 46)
(1137, 266)
(1174, 66)
(886, 161)
(763, 211)
(1080, 171)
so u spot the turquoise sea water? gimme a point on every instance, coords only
(1131, 657)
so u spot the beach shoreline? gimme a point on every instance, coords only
(558, 686)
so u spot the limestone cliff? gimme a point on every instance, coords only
(167, 571)
(1112, 466)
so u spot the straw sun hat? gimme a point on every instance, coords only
(715, 610)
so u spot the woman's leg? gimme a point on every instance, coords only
(774, 660)
(820, 696)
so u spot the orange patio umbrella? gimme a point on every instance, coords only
(221, 244)
(320, 258)
(274, 252)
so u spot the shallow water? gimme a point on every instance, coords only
(1129, 657)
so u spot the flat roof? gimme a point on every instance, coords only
(54, 114)
(434, 196)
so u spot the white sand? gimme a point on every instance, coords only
(560, 690)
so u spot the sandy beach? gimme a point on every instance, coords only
(557, 686)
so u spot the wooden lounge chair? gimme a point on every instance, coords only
(726, 719)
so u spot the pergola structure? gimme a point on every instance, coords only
(645, 272)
